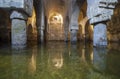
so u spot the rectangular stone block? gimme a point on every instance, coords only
(108, 6)
(101, 18)
(109, 1)
(95, 11)
(24, 5)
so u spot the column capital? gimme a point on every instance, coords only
(102, 10)
(25, 6)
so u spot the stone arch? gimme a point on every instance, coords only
(80, 27)
(31, 27)
(55, 17)
(82, 23)
(88, 31)
(55, 29)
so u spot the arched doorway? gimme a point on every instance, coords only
(55, 29)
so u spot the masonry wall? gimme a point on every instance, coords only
(114, 26)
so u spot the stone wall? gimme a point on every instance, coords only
(55, 32)
(114, 26)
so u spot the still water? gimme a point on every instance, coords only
(58, 60)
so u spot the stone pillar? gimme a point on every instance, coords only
(73, 36)
(66, 36)
(99, 11)
(42, 35)
(74, 23)
(19, 37)
(100, 35)
(66, 28)
(42, 26)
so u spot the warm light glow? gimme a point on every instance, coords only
(55, 18)
(32, 21)
(91, 27)
(32, 64)
(91, 55)
(58, 62)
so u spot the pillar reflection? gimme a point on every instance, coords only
(19, 63)
(99, 58)
(33, 59)
(55, 51)
(113, 57)
(18, 47)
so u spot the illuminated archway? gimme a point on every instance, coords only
(55, 18)
(55, 29)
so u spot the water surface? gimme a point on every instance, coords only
(58, 60)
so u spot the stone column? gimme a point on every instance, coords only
(98, 12)
(42, 35)
(73, 36)
(66, 28)
(18, 27)
(100, 35)
(42, 22)
(74, 24)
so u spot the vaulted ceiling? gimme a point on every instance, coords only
(61, 6)
(58, 6)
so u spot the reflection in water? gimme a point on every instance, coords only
(19, 61)
(32, 61)
(113, 60)
(88, 48)
(18, 47)
(55, 54)
(58, 60)
(99, 58)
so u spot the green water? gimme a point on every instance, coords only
(58, 60)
